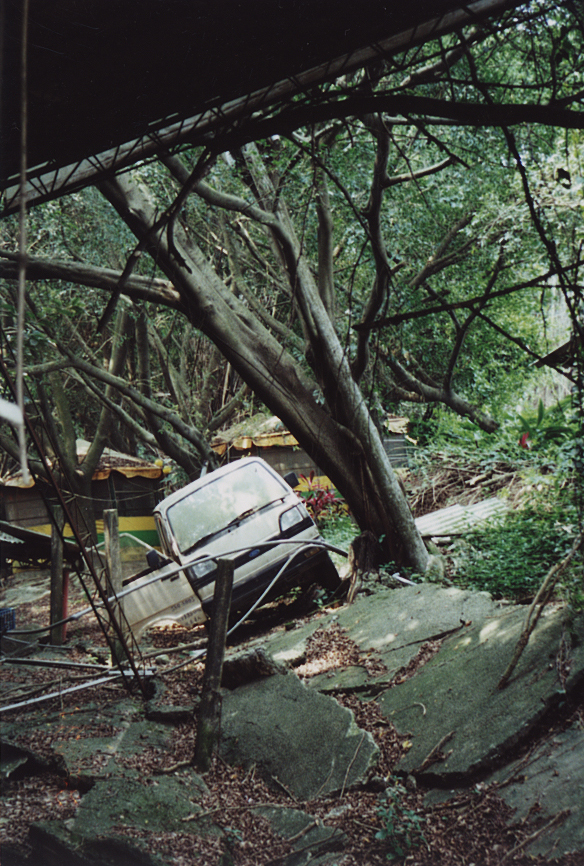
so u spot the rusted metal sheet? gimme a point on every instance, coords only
(38, 544)
(458, 519)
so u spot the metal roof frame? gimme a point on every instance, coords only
(218, 112)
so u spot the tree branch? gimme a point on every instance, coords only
(398, 318)
(440, 260)
(383, 271)
(148, 288)
(420, 172)
(438, 395)
(326, 280)
(421, 108)
(542, 597)
(464, 328)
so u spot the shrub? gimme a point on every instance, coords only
(510, 558)
(323, 503)
(401, 827)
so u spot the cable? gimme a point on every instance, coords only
(178, 568)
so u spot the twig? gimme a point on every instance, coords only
(316, 823)
(555, 820)
(284, 788)
(299, 851)
(434, 755)
(543, 595)
(181, 647)
(198, 816)
(180, 765)
(514, 775)
(353, 759)
(326, 781)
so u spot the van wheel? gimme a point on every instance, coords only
(328, 576)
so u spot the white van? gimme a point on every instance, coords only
(244, 512)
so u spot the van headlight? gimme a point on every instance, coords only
(204, 567)
(290, 518)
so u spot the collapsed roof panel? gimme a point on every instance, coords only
(111, 82)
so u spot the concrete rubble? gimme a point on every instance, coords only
(462, 729)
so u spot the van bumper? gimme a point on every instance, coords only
(311, 566)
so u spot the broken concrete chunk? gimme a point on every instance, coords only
(300, 740)
(247, 666)
(54, 846)
(458, 721)
(311, 839)
(121, 802)
(20, 760)
(157, 710)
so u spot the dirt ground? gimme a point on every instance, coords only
(477, 827)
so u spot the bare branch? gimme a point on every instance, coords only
(449, 59)
(383, 271)
(439, 395)
(326, 281)
(148, 288)
(421, 172)
(440, 260)
(423, 109)
(398, 318)
(465, 327)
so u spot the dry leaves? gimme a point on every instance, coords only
(472, 828)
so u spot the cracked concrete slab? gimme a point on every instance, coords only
(114, 731)
(313, 843)
(298, 739)
(552, 777)
(455, 695)
(159, 804)
(393, 623)
(301, 738)
(394, 619)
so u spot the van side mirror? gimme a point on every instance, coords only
(154, 559)
(292, 479)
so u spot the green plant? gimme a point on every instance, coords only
(546, 427)
(401, 827)
(511, 557)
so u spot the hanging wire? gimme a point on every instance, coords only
(22, 247)
(112, 620)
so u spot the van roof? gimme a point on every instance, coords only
(211, 476)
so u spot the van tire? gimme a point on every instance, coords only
(328, 576)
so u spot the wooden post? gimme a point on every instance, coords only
(58, 594)
(209, 716)
(113, 561)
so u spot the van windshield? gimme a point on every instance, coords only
(219, 503)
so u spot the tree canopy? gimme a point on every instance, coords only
(400, 237)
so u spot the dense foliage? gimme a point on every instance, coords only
(445, 241)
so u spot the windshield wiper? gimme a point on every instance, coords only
(234, 522)
(244, 514)
(254, 510)
(202, 541)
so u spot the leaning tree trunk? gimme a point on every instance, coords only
(350, 453)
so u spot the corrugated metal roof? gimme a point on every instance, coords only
(283, 438)
(110, 461)
(111, 82)
(277, 439)
(458, 519)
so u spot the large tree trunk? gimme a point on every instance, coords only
(350, 453)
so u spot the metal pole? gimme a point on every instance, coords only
(58, 597)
